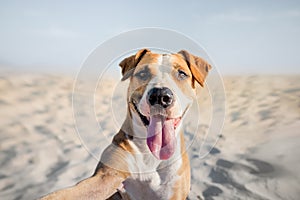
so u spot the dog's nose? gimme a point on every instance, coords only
(161, 96)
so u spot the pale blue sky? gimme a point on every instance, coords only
(245, 36)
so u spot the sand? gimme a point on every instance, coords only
(256, 157)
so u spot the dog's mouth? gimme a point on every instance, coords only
(146, 119)
(143, 118)
(161, 138)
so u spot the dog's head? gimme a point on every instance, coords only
(162, 87)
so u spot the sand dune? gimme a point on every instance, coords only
(256, 157)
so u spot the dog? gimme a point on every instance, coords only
(147, 158)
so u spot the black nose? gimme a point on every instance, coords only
(161, 96)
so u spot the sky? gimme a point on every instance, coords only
(241, 36)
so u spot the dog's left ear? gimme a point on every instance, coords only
(128, 64)
(198, 66)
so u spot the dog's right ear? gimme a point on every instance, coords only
(128, 64)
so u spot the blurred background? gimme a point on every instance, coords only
(260, 36)
(45, 145)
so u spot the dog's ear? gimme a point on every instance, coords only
(128, 64)
(198, 66)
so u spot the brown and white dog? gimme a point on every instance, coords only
(147, 158)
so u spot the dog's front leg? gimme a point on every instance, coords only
(101, 185)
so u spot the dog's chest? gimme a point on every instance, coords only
(151, 179)
(150, 186)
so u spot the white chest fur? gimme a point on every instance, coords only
(153, 185)
(151, 178)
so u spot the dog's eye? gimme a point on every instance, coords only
(143, 75)
(182, 75)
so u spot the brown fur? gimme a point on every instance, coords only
(128, 64)
(182, 186)
(198, 66)
(100, 186)
(180, 63)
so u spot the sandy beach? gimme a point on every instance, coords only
(256, 156)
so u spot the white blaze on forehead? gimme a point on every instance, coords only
(166, 59)
(160, 60)
(162, 69)
(166, 65)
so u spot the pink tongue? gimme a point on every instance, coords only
(161, 137)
